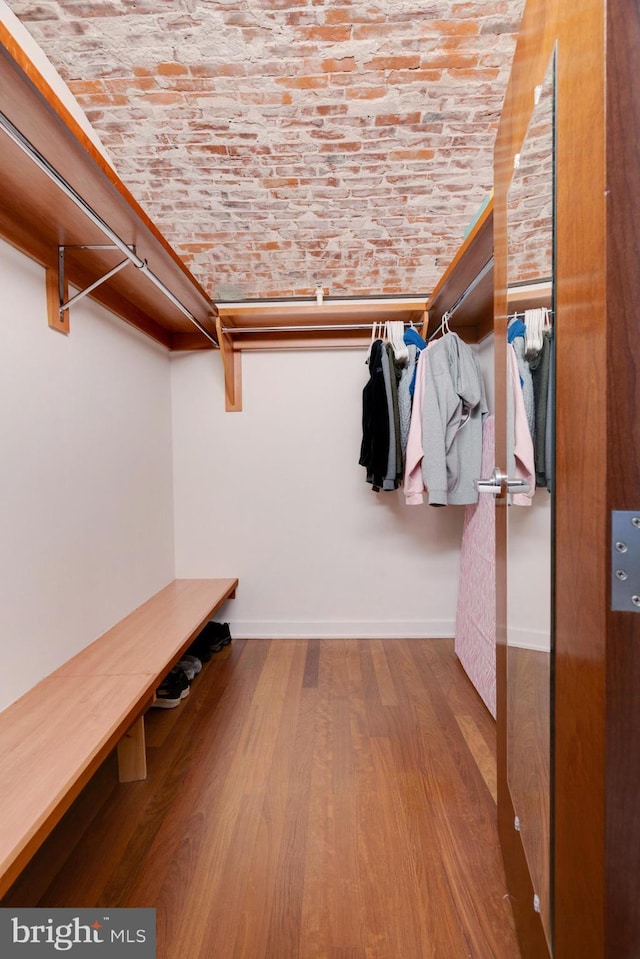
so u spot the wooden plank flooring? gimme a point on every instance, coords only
(310, 800)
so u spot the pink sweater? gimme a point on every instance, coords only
(413, 482)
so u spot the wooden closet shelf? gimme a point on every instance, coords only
(37, 217)
(281, 323)
(474, 316)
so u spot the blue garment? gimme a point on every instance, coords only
(411, 335)
(412, 338)
(516, 328)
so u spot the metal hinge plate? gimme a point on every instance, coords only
(625, 560)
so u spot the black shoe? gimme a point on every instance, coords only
(172, 690)
(201, 648)
(217, 635)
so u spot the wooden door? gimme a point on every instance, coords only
(596, 706)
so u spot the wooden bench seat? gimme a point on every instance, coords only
(56, 735)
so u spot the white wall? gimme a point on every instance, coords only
(86, 512)
(275, 496)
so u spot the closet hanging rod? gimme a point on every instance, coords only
(477, 279)
(311, 328)
(34, 154)
(446, 316)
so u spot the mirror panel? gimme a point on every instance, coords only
(530, 223)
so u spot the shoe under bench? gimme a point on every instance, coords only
(56, 735)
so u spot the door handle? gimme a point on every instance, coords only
(494, 483)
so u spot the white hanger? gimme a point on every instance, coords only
(374, 329)
(396, 338)
(533, 321)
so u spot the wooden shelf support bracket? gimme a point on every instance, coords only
(232, 364)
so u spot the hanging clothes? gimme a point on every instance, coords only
(540, 367)
(549, 446)
(413, 482)
(413, 338)
(374, 449)
(453, 410)
(520, 454)
(516, 334)
(407, 380)
(390, 480)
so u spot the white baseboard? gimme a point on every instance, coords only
(524, 638)
(324, 629)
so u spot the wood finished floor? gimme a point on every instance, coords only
(312, 799)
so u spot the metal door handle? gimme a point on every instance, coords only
(494, 483)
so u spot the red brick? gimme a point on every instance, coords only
(477, 74)
(392, 119)
(330, 109)
(366, 93)
(304, 83)
(330, 34)
(414, 154)
(171, 69)
(342, 65)
(394, 63)
(342, 146)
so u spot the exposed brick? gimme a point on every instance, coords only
(329, 34)
(366, 93)
(416, 154)
(271, 138)
(304, 83)
(343, 65)
(171, 69)
(394, 63)
(164, 98)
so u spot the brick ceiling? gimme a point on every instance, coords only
(280, 144)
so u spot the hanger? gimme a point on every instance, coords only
(396, 339)
(374, 337)
(534, 322)
(443, 328)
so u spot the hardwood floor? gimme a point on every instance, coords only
(310, 800)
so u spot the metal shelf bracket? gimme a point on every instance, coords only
(58, 301)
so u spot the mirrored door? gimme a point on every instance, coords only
(530, 334)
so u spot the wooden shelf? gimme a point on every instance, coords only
(282, 324)
(530, 296)
(303, 325)
(37, 217)
(473, 319)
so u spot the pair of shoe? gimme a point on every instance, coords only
(176, 684)
(172, 690)
(211, 639)
(190, 666)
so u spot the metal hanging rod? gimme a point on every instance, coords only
(481, 275)
(311, 328)
(446, 316)
(34, 154)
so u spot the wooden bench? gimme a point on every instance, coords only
(54, 737)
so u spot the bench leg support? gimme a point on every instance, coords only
(132, 755)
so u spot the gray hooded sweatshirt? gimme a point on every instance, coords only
(452, 414)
